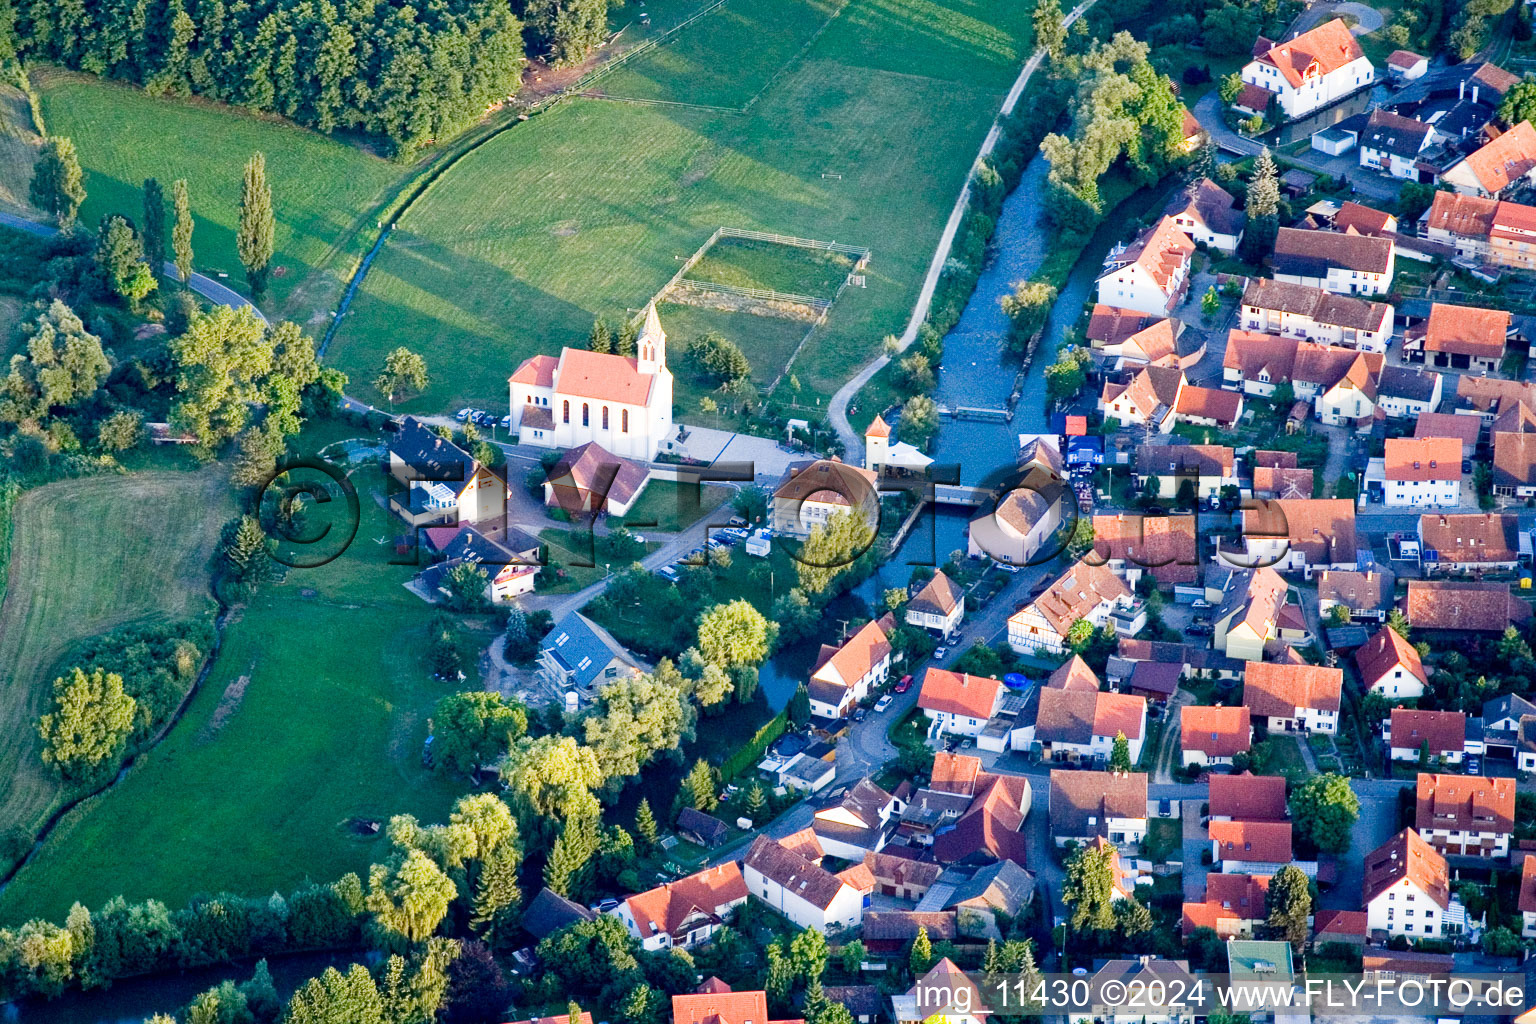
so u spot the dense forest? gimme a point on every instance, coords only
(408, 74)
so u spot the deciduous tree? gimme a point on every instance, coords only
(1324, 809)
(404, 371)
(1089, 889)
(63, 367)
(408, 898)
(475, 728)
(735, 634)
(152, 228)
(86, 732)
(58, 184)
(1289, 903)
(181, 230)
(255, 237)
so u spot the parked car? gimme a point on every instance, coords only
(606, 905)
(904, 685)
(738, 521)
(1474, 764)
(883, 703)
(940, 651)
(463, 414)
(485, 419)
(860, 714)
(506, 423)
(1199, 629)
(668, 573)
(1199, 602)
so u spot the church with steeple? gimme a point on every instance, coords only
(624, 403)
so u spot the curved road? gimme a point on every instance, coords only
(207, 287)
(837, 411)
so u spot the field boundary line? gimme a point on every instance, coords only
(798, 57)
(638, 101)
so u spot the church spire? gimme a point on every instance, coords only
(651, 346)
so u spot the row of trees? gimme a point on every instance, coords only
(407, 74)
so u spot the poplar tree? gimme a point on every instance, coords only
(254, 239)
(152, 228)
(181, 232)
(58, 184)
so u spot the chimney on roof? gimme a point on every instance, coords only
(1474, 94)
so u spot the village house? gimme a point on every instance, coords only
(1466, 429)
(1301, 535)
(887, 457)
(1406, 66)
(1505, 161)
(1347, 926)
(1391, 144)
(548, 912)
(985, 898)
(624, 403)
(1277, 475)
(1514, 464)
(901, 876)
(1315, 314)
(1023, 521)
(1248, 797)
(1458, 99)
(1390, 666)
(1422, 471)
(1195, 662)
(1492, 398)
(1403, 392)
(787, 876)
(1467, 815)
(888, 932)
(938, 607)
(1253, 613)
(844, 675)
(577, 652)
(984, 823)
(1141, 973)
(1527, 901)
(1458, 605)
(714, 1003)
(443, 483)
(510, 558)
(1147, 397)
(1232, 906)
(1212, 736)
(1509, 730)
(1341, 263)
(1365, 595)
(1339, 383)
(1165, 547)
(1078, 725)
(1092, 593)
(1210, 467)
(1317, 68)
(1162, 342)
(1407, 888)
(1085, 806)
(1287, 697)
(810, 493)
(591, 479)
(1209, 215)
(1472, 542)
(1151, 274)
(1073, 674)
(1460, 338)
(946, 993)
(1462, 221)
(855, 826)
(1430, 738)
(1208, 407)
(958, 703)
(685, 913)
(865, 1003)
(1252, 847)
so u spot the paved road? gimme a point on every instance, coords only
(837, 410)
(207, 287)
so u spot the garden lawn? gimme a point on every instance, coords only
(767, 342)
(323, 190)
(749, 263)
(87, 556)
(586, 209)
(667, 507)
(313, 716)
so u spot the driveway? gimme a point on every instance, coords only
(1196, 841)
(1376, 824)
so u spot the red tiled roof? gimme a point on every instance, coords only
(1423, 458)
(1466, 330)
(1514, 458)
(1444, 731)
(1387, 650)
(1339, 922)
(1471, 216)
(1472, 537)
(666, 907)
(1165, 546)
(1527, 904)
(1407, 855)
(536, 370)
(1319, 51)
(1218, 732)
(1264, 842)
(1253, 97)
(1073, 674)
(862, 652)
(878, 428)
(602, 377)
(1449, 424)
(1465, 803)
(1446, 604)
(959, 693)
(1210, 403)
(1280, 691)
(1504, 160)
(1248, 797)
(1077, 592)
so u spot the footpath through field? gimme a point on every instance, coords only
(837, 412)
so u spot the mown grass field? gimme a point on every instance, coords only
(322, 189)
(767, 342)
(19, 142)
(313, 716)
(87, 556)
(749, 263)
(586, 209)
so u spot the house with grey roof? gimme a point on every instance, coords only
(578, 652)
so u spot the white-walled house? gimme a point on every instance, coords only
(958, 703)
(1466, 815)
(1409, 732)
(1318, 67)
(1527, 902)
(785, 875)
(1407, 888)
(1390, 666)
(1391, 144)
(1316, 314)
(685, 913)
(1209, 215)
(1214, 735)
(1290, 697)
(1151, 274)
(938, 607)
(1345, 264)
(844, 675)
(1423, 471)
(1085, 591)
